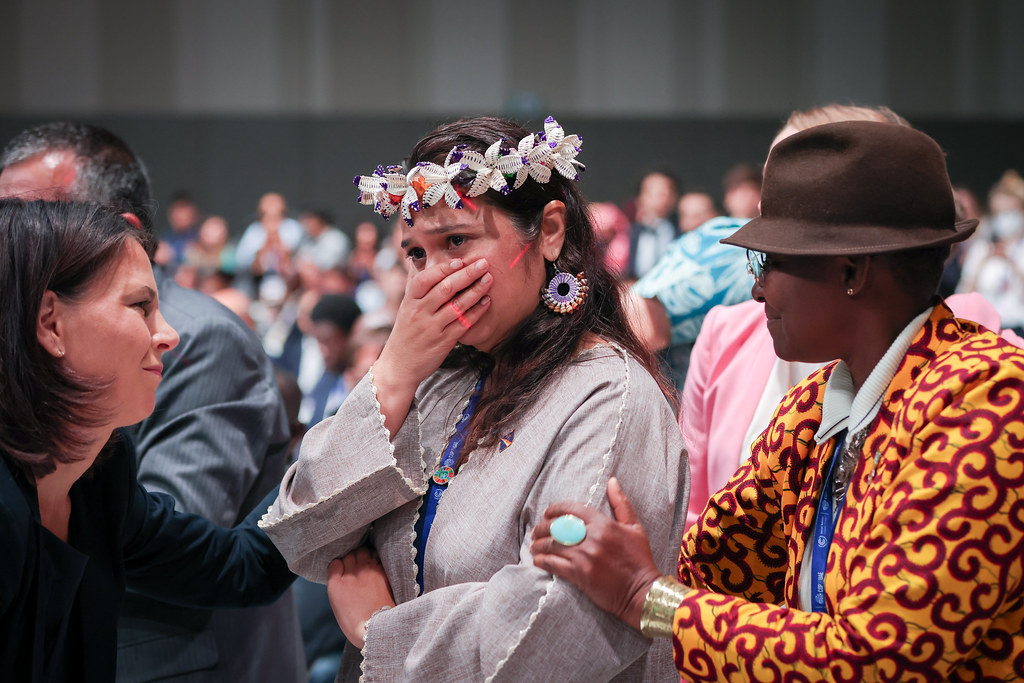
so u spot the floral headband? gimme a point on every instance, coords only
(389, 188)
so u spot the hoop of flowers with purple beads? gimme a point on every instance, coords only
(565, 292)
(389, 190)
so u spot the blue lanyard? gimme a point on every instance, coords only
(439, 482)
(825, 529)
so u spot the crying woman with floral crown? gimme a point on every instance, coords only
(511, 380)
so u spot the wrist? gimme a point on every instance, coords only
(658, 613)
(390, 381)
(394, 396)
(364, 628)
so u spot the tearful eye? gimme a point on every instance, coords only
(415, 253)
(456, 240)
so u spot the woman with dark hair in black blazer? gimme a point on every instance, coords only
(81, 340)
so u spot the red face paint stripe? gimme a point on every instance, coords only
(458, 314)
(519, 256)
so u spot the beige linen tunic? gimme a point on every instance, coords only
(487, 613)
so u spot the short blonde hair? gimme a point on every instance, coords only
(835, 113)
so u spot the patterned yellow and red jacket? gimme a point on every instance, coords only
(925, 578)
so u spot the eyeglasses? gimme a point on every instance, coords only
(757, 265)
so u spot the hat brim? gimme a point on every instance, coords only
(798, 238)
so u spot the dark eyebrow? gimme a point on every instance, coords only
(144, 289)
(440, 230)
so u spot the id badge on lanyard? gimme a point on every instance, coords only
(824, 530)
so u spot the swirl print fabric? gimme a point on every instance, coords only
(924, 578)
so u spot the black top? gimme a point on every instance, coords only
(59, 601)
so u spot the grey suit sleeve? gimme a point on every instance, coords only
(218, 414)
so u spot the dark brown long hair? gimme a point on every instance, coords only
(546, 343)
(62, 247)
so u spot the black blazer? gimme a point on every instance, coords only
(59, 601)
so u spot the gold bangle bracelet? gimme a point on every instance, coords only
(660, 607)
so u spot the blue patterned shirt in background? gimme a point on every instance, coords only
(695, 273)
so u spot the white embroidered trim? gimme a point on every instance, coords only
(389, 189)
(420, 489)
(264, 524)
(326, 498)
(606, 460)
(413, 587)
(366, 638)
(522, 633)
(380, 415)
(593, 489)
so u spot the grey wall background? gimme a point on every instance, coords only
(232, 98)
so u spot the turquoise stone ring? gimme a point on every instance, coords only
(568, 530)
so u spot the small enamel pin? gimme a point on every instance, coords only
(507, 440)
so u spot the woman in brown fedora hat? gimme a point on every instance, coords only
(877, 531)
(735, 380)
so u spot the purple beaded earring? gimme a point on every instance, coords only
(565, 292)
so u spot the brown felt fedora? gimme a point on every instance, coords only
(855, 187)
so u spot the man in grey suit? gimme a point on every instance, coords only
(216, 441)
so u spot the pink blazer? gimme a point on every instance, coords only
(729, 367)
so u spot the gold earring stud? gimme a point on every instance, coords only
(849, 292)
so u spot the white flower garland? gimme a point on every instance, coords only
(425, 184)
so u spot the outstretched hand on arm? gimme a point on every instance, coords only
(613, 565)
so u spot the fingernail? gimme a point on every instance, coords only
(486, 279)
(456, 263)
(481, 264)
(486, 301)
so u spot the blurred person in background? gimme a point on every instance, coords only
(994, 262)
(238, 302)
(741, 187)
(333, 317)
(612, 229)
(267, 245)
(693, 274)
(654, 225)
(212, 249)
(968, 207)
(323, 245)
(294, 347)
(209, 263)
(369, 335)
(183, 221)
(382, 295)
(695, 209)
(364, 252)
